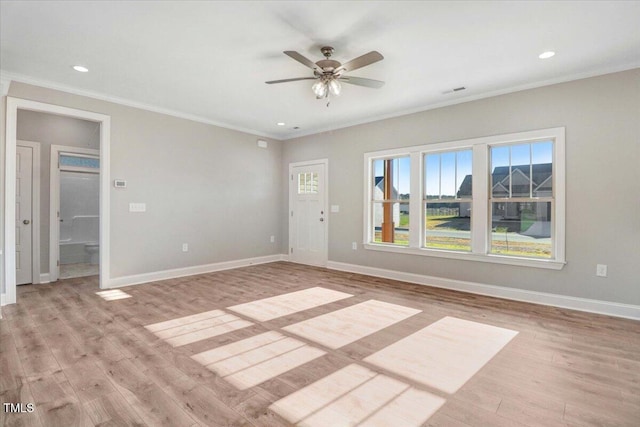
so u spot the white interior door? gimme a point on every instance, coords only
(308, 216)
(24, 207)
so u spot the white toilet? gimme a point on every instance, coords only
(93, 249)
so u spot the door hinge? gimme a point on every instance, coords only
(291, 213)
(58, 263)
(291, 177)
(291, 250)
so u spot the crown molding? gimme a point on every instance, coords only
(127, 102)
(470, 98)
(8, 77)
(4, 85)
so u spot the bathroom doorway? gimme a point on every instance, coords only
(75, 212)
(14, 108)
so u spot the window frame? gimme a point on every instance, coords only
(425, 201)
(372, 201)
(481, 199)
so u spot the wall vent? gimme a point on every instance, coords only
(455, 89)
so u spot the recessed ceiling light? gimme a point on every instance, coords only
(280, 123)
(80, 68)
(546, 55)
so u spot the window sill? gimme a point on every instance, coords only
(495, 259)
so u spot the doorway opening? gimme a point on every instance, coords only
(74, 212)
(102, 129)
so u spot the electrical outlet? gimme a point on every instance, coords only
(185, 247)
(273, 239)
(354, 246)
(601, 270)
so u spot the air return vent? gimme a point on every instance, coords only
(455, 89)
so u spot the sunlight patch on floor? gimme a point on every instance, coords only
(283, 305)
(251, 361)
(445, 354)
(113, 294)
(355, 395)
(197, 327)
(347, 325)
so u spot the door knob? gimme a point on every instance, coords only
(26, 222)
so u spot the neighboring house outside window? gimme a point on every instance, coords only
(494, 199)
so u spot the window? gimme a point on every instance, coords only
(79, 161)
(495, 199)
(521, 200)
(390, 200)
(448, 182)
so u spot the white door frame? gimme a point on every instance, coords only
(292, 192)
(13, 105)
(35, 210)
(54, 203)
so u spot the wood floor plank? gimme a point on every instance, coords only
(88, 380)
(12, 374)
(150, 402)
(87, 361)
(112, 410)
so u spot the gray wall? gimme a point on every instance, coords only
(3, 119)
(207, 186)
(210, 187)
(602, 120)
(50, 129)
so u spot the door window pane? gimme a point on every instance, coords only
(308, 183)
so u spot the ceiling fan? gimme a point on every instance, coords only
(329, 72)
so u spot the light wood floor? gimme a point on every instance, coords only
(84, 360)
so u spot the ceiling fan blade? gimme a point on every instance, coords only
(301, 59)
(290, 80)
(360, 81)
(361, 61)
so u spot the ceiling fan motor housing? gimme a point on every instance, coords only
(328, 65)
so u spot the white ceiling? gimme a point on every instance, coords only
(209, 60)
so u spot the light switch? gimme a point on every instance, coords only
(335, 208)
(137, 207)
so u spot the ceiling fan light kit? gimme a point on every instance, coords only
(328, 73)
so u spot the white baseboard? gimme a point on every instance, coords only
(190, 271)
(45, 278)
(582, 304)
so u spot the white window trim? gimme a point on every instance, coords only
(480, 213)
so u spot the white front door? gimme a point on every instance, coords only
(308, 216)
(24, 207)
